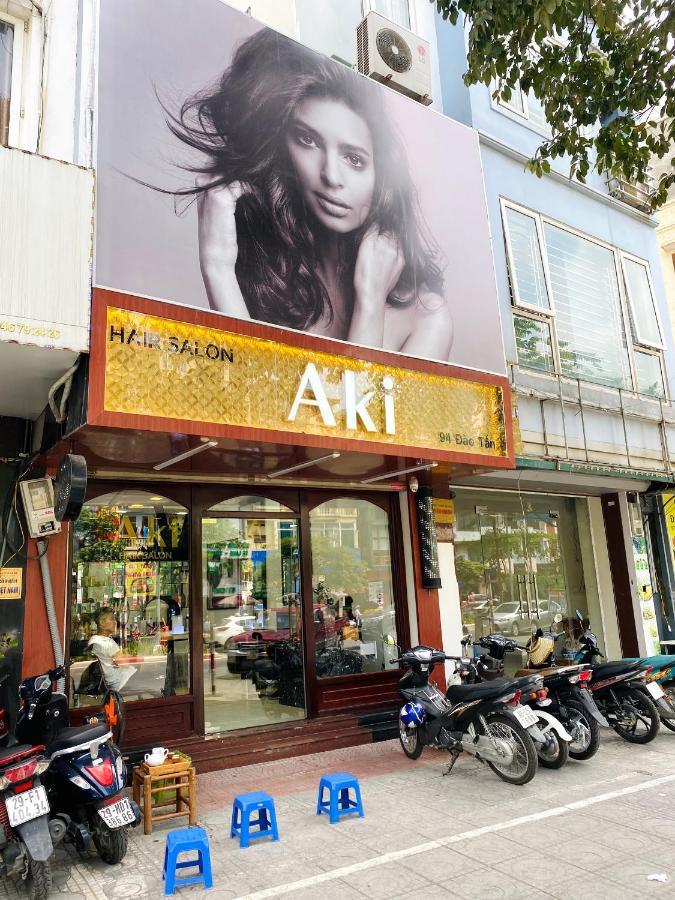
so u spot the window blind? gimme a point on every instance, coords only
(584, 285)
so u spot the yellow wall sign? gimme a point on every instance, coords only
(10, 583)
(161, 367)
(444, 516)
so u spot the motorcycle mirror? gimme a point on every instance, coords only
(580, 617)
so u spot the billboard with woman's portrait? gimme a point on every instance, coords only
(240, 171)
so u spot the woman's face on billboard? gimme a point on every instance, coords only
(331, 150)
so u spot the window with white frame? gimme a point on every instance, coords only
(397, 11)
(525, 104)
(572, 296)
(11, 43)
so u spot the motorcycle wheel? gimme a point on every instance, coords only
(38, 881)
(524, 767)
(642, 707)
(111, 845)
(669, 723)
(555, 754)
(411, 742)
(587, 746)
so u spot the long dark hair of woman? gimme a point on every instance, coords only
(240, 127)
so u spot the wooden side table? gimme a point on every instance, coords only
(176, 778)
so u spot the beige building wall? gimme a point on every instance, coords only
(666, 237)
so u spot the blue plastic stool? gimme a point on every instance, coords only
(244, 806)
(181, 841)
(339, 803)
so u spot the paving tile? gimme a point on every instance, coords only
(328, 890)
(383, 882)
(490, 883)
(534, 869)
(440, 864)
(489, 848)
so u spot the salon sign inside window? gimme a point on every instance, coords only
(163, 368)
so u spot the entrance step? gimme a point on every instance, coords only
(267, 743)
(382, 724)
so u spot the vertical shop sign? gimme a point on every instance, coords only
(426, 528)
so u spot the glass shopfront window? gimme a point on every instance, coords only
(354, 616)
(129, 615)
(522, 559)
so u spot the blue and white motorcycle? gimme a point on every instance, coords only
(484, 720)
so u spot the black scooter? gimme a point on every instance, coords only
(484, 720)
(619, 689)
(86, 774)
(569, 691)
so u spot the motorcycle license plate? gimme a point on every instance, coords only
(525, 716)
(655, 690)
(26, 806)
(117, 814)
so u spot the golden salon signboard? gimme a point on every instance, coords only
(162, 368)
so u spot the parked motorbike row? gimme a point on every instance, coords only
(545, 714)
(59, 782)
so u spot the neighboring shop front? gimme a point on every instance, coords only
(544, 545)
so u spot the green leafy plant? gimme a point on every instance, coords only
(97, 536)
(604, 71)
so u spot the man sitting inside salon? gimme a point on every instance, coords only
(106, 650)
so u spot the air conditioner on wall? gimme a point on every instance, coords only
(394, 56)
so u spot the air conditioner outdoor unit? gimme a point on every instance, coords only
(636, 194)
(394, 56)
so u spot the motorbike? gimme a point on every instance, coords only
(484, 720)
(661, 686)
(26, 841)
(620, 690)
(86, 774)
(569, 692)
(551, 739)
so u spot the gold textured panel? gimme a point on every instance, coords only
(160, 367)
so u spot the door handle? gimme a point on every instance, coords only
(521, 582)
(533, 578)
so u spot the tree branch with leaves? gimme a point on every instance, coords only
(604, 71)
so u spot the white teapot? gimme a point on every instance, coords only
(157, 757)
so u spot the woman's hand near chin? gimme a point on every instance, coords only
(379, 263)
(218, 249)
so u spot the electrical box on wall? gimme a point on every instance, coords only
(38, 504)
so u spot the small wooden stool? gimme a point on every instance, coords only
(174, 777)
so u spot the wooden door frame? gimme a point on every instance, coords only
(387, 501)
(203, 499)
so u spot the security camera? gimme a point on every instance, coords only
(413, 484)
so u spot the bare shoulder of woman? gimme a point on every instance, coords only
(431, 332)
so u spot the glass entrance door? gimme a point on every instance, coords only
(523, 581)
(252, 608)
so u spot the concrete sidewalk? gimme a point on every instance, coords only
(593, 829)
